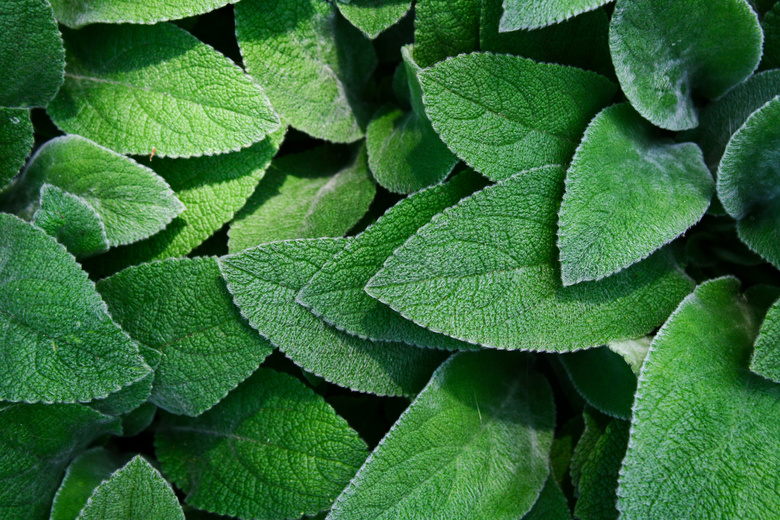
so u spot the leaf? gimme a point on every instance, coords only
(313, 65)
(766, 354)
(633, 351)
(264, 282)
(486, 271)
(551, 504)
(32, 71)
(16, 141)
(595, 426)
(445, 28)
(335, 292)
(629, 192)
(133, 423)
(373, 16)
(529, 114)
(36, 444)
(704, 431)
(749, 181)
(771, 27)
(58, 342)
(320, 192)
(182, 309)
(519, 14)
(157, 89)
(271, 449)
(85, 12)
(666, 52)
(474, 444)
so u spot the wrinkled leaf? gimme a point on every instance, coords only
(85, 12)
(521, 14)
(373, 16)
(766, 355)
(598, 484)
(16, 141)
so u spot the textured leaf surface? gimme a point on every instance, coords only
(318, 193)
(766, 356)
(666, 52)
(157, 89)
(335, 292)
(474, 444)
(84, 12)
(520, 14)
(264, 282)
(749, 181)
(598, 484)
(36, 443)
(771, 27)
(629, 191)
(16, 140)
(373, 16)
(182, 309)
(604, 380)
(486, 271)
(704, 431)
(529, 114)
(633, 351)
(595, 426)
(58, 342)
(131, 397)
(31, 53)
(313, 65)
(271, 449)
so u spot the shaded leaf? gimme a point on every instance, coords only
(16, 141)
(85, 12)
(633, 351)
(373, 16)
(771, 27)
(520, 14)
(551, 504)
(766, 355)
(598, 484)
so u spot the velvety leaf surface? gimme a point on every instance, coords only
(182, 309)
(36, 444)
(704, 431)
(58, 342)
(666, 52)
(771, 27)
(749, 181)
(551, 504)
(373, 16)
(766, 355)
(264, 282)
(521, 14)
(629, 191)
(16, 141)
(313, 64)
(486, 271)
(158, 89)
(31, 53)
(474, 444)
(529, 114)
(84, 12)
(271, 449)
(335, 292)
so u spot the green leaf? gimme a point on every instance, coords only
(551, 504)
(666, 52)
(157, 89)
(766, 354)
(633, 351)
(36, 444)
(182, 309)
(704, 434)
(16, 141)
(85, 12)
(319, 193)
(749, 181)
(595, 426)
(131, 397)
(598, 484)
(474, 444)
(445, 28)
(133, 423)
(529, 114)
(521, 14)
(59, 343)
(313, 65)
(335, 292)
(629, 192)
(373, 16)
(771, 27)
(271, 449)
(31, 53)
(486, 271)
(264, 282)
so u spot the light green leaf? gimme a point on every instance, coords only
(551, 504)
(633, 351)
(36, 444)
(521, 14)
(264, 282)
(598, 484)
(31, 53)
(313, 65)
(335, 292)
(58, 342)
(486, 271)
(318, 193)
(271, 449)
(766, 354)
(529, 114)
(629, 192)
(704, 434)
(668, 51)
(85, 12)
(749, 181)
(157, 89)
(771, 27)
(373, 16)
(474, 444)
(182, 309)
(16, 141)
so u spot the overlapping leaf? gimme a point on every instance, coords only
(604, 380)
(771, 27)
(551, 504)
(520, 14)
(766, 356)
(373, 16)
(16, 140)
(598, 484)
(85, 12)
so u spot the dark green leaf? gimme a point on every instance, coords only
(16, 140)
(771, 27)
(598, 484)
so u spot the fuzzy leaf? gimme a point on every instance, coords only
(595, 425)
(633, 351)
(157, 89)
(771, 27)
(766, 355)
(629, 192)
(597, 486)
(16, 141)
(521, 14)
(129, 398)
(474, 444)
(271, 449)
(58, 342)
(85, 12)
(529, 114)
(668, 51)
(373, 16)
(486, 271)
